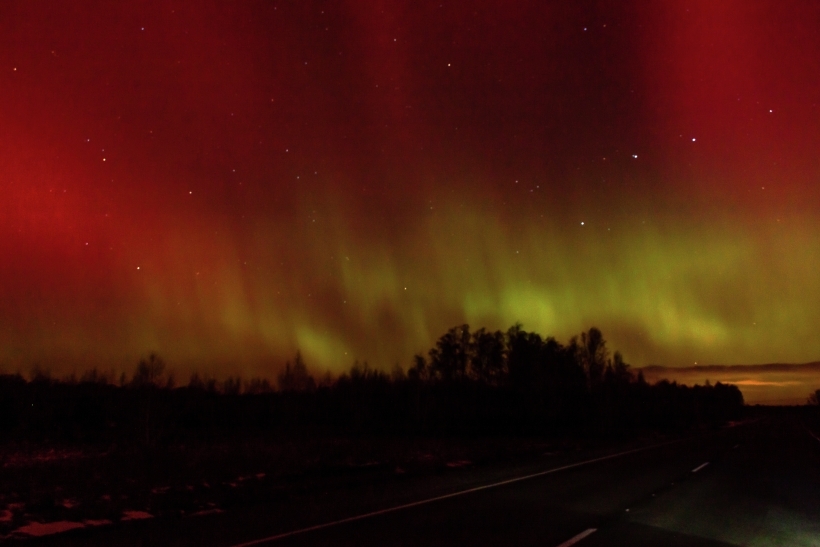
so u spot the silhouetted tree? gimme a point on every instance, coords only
(448, 360)
(487, 359)
(147, 378)
(360, 371)
(593, 355)
(232, 385)
(814, 398)
(523, 358)
(94, 376)
(397, 374)
(196, 383)
(258, 385)
(40, 375)
(420, 371)
(296, 377)
(564, 383)
(149, 372)
(617, 371)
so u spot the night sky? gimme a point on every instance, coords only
(224, 183)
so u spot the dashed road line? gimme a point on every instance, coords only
(701, 466)
(575, 539)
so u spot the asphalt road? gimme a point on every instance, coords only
(754, 484)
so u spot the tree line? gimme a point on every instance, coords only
(469, 382)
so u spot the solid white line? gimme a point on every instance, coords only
(701, 466)
(579, 537)
(446, 496)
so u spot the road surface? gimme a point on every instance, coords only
(753, 484)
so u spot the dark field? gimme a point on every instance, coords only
(108, 484)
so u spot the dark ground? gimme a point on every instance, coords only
(79, 483)
(760, 488)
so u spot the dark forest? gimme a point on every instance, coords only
(470, 383)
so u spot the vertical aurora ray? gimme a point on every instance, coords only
(269, 185)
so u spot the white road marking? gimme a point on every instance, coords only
(579, 537)
(447, 496)
(810, 432)
(701, 466)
